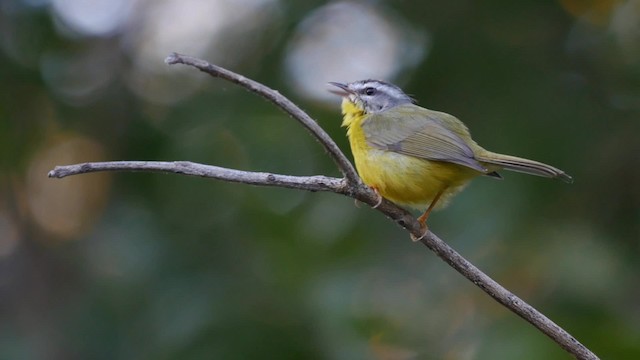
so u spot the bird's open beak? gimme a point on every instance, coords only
(343, 89)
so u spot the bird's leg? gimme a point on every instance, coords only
(423, 218)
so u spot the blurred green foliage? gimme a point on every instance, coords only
(151, 266)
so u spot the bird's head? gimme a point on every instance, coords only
(372, 96)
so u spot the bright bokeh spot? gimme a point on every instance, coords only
(94, 17)
(332, 44)
(69, 208)
(193, 27)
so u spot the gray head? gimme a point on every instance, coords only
(372, 95)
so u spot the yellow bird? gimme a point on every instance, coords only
(417, 157)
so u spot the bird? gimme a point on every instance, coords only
(416, 157)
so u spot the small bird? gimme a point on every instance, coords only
(417, 157)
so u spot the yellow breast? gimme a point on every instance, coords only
(403, 179)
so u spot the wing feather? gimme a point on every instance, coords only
(418, 132)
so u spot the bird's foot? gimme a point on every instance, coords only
(423, 229)
(379, 202)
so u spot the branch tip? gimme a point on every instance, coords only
(173, 58)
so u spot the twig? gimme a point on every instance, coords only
(351, 186)
(310, 183)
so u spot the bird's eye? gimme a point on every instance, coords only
(370, 91)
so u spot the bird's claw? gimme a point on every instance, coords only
(416, 239)
(379, 202)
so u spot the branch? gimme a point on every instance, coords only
(280, 101)
(310, 183)
(508, 299)
(350, 186)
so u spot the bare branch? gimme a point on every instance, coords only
(279, 100)
(351, 186)
(310, 183)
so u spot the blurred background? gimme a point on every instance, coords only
(151, 266)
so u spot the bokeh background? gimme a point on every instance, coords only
(151, 266)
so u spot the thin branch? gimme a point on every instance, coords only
(350, 186)
(508, 299)
(310, 183)
(280, 101)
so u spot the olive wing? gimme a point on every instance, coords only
(419, 133)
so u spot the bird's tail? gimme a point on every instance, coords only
(522, 165)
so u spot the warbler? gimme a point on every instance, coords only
(417, 157)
